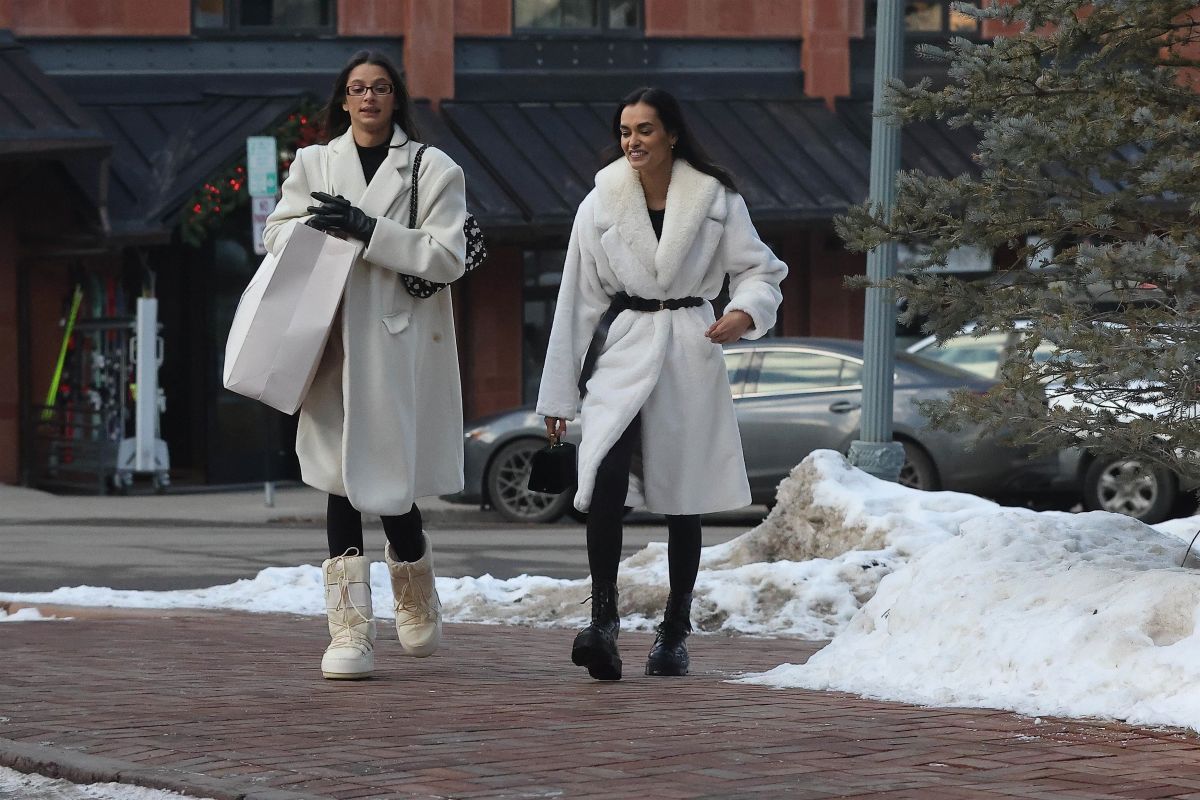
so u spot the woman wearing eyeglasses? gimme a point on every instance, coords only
(382, 423)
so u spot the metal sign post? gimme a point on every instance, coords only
(262, 171)
(875, 451)
(262, 168)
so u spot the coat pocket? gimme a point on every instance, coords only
(397, 322)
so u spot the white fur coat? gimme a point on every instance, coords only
(659, 363)
(382, 422)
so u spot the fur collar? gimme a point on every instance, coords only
(690, 199)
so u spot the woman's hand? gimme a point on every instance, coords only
(730, 327)
(336, 214)
(556, 429)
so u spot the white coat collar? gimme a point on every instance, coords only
(690, 196)
(390, 179)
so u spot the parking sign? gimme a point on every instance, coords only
(262, 164)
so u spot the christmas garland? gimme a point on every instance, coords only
(226, 192)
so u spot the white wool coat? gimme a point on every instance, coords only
(382, 423)
(659, 363)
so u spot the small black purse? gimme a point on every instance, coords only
(552, 469)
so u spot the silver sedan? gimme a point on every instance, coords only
(1130, 485)
(792, 396)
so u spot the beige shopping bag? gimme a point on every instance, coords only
(283, 319)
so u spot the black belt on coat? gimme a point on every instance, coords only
(624, 302)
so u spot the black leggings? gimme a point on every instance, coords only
(343, 525)
(604, 521)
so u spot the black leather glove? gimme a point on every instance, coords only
(336, 214)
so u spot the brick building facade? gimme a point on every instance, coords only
(118, 110)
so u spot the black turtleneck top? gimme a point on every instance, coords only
(656, 220)
(371, 158)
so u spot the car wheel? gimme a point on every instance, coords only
(1130, 486)
(507, 482)
(918, 471)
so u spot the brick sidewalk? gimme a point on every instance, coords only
(231, 705)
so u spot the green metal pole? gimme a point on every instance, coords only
(52, 395)
(875, 452)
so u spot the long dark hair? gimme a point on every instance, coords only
(336, 120)
(686, 146)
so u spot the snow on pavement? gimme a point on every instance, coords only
(20, 786)
(1048, 613)
(805, 571)
(25, 615)
(930, 597)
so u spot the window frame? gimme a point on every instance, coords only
(231, 29)
(751, 385)
(602, 30)
(943, 33)
(741, 359)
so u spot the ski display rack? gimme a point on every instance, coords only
(83, 431)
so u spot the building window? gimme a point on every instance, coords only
(262, 16)
(573, 16)
(930, 18)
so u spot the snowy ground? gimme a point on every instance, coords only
(24, 615)
(930, 597)
(19, 786)
(1075, 615)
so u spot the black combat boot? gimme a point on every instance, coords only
(669, 655)
(596, 645)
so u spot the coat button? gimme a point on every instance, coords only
(437, 337)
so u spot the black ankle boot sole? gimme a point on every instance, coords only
(666, 668)
(599, 655)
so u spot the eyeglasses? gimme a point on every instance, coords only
(359, 90)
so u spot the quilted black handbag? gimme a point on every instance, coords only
(552, 469)
(476, 248)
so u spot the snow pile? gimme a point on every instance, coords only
(1044, 614)
(805, 571)
(18, 784)
(834, 533)
(24, 615)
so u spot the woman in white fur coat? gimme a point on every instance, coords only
(658, 234)
(382, 423)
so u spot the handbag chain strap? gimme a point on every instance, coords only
(326, 182)
(412, 200)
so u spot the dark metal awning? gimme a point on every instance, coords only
(167, 141)
(36, 116)
(794, 160)
(931, 147)
(39, 121)
(487, 198)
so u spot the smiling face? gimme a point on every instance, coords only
(646, 143)
(370, 113)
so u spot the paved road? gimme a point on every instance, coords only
(192, 541)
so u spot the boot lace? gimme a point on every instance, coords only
(410, 599)
(344, 634)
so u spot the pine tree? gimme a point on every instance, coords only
(1089, 162)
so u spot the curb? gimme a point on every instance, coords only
(55, 762)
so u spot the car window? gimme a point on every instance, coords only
(980, 355)
(782, 371)
(735, 363)
(1044, 352)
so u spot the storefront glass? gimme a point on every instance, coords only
(543, 272)
(245, 440)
